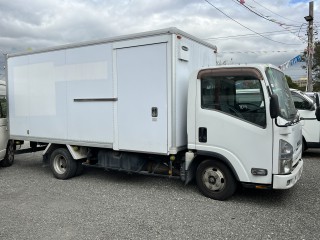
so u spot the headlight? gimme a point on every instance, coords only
(285, 157)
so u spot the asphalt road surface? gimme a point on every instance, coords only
(111, 205)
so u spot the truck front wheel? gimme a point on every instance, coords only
(62, 164)
(215, 180)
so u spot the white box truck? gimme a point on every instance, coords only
(154, 103)
(307, 106)
(7, 146)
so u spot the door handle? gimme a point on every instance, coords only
(203, 134)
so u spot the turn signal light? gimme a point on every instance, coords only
(259, 171)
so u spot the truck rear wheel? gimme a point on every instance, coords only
(215, 180)
(9, 157)
(62, 164)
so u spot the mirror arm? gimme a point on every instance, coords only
(302, 118)
(276, 122)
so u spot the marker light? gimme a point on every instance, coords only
(259, 171)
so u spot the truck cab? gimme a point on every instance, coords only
(242, 128)
(6, 145)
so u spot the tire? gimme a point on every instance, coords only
(215, 180)
(80, 168)
(304, 146)
(9, 157)
(33, 145)
(62, 164)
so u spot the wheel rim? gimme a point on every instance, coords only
(60, 164)
(213, 179)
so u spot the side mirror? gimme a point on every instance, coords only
(318, 113)
(274, 106)
(312, 107)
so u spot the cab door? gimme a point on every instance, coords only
(231, 121)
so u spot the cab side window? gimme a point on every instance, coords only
(3, 107)
(239, 96)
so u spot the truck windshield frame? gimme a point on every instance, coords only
(279, 86)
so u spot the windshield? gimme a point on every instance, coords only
(279, 86)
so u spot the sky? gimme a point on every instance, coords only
(253, 31)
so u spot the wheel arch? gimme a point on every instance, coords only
(202, 156)
(75, 151)
(49, 150)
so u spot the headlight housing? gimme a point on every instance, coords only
(285, 157)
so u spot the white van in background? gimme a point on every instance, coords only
(6, 145)
(306, 105)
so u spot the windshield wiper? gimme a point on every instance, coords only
(295, 120)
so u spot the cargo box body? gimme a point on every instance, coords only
(127, 93)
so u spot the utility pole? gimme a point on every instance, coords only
(2, 66)
(309, 19)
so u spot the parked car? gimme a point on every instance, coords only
(311, 95)
(7, 146)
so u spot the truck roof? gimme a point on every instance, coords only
(240, 68)
(171, 30)
(244, 65)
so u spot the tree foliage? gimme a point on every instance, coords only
(315, 66)
(292, 84)
(316, 86)
(316, 62)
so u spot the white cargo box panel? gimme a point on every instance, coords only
(127, 93)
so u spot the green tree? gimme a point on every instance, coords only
(291, 83)
(316, 62)
(315, 65)
(316, 86)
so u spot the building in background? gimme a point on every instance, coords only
(302, 82)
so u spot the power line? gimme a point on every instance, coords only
(267, 18)
(261, 51)
(246, 26)
(274, 12)
(2, 52)
(256, 13)
(260, 14)
(249, 35)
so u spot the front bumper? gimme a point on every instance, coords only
(289, 180)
